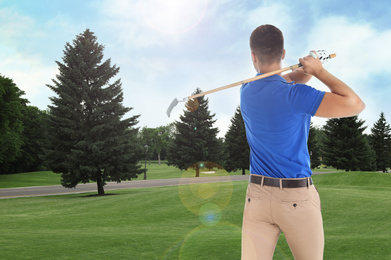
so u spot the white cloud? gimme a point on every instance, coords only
(271, 14)
(147, 23)
(161, 61)
(361, 60)
(361, 49)
(223, 124)
(173, 16)
(27, 70)
(13, 25)
(30, 75)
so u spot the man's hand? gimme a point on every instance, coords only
(311, 65)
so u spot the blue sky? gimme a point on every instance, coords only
(166, 49)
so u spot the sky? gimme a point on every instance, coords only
(167, 49)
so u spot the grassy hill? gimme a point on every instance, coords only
(160, 223)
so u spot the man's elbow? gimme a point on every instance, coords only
(362, 106)
(358, 106)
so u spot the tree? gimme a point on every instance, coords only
(146, 140)
(236, 146)
(346, 147)
(380, 139)
(161, 140)
(34, 137)
(88, 139)
(313, 147)
(195, 139)
(11, 126)
(156, 139)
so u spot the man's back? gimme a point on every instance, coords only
(277, 116)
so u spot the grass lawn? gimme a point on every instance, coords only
(154, 171)
(160, 223)
(43, 178)
(28, 179)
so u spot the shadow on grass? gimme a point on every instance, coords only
(97, 195)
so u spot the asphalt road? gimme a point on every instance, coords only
(91, 187)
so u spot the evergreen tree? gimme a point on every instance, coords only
(313, 147)
(236, 146)
(381, 143)
(320, 140)
(195, 139)
(88, 139)
(11, 126)
(346, 147)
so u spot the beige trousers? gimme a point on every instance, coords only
(294, 211)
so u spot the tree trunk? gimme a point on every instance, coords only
(197, 171)
(158, 157)
(99, 184)
(243, 171)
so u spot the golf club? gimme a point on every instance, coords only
(321, 55)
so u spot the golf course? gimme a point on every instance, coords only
(198, 221)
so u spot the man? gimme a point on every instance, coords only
(277, 111)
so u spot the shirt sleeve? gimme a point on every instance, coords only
(305, 99)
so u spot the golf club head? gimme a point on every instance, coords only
(173, 104)
(171, 107)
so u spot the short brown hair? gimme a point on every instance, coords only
(267, 43)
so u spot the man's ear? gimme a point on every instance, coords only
(283, 54)
(255, 61)
(253, 57)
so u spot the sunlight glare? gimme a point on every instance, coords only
(173, 16)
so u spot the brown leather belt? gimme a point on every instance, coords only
(285, 183)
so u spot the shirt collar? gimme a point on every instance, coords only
(273, 78)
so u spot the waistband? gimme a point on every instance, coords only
(281, 183)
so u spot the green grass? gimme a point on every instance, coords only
(154, 171)
(43, 178)
(28, 179)
(159, 223)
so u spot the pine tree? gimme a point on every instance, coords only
(346, 147)
(313, 147)
(195, 139)
(381, 143)
(88, 139)
(236, 146)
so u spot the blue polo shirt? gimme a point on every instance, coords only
(277, 117)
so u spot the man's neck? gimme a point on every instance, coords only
(269, 67)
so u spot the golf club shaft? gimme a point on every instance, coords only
(246, 81)
(253, 79)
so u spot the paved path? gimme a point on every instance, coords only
(91, 187)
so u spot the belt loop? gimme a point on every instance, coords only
(262, 181)
(280, 184)
(308, 182)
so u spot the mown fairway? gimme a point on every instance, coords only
(159, 223)
(154, 172)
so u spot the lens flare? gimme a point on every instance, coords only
(208, 197)
(209, 214)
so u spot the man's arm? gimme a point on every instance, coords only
(298, 76)
(342, 101)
